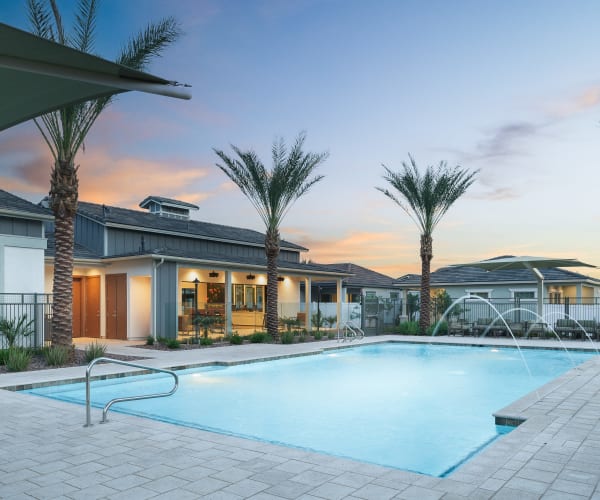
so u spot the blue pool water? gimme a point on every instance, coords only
(422, 408)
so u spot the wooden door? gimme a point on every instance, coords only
(116, 306)
(77, 308)
(92, 307)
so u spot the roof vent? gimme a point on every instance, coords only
(166, 207)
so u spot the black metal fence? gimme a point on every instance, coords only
(33, 311)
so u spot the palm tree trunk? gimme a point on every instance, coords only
(426, 258)
(63, 201)
(272, 251)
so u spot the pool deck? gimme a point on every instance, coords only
(46, 452)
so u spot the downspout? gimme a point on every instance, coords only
(155, 266)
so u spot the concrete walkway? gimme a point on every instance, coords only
(45, 452)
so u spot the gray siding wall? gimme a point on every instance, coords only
(122, 242)
(166, 300)
(90, 234)
(20, 227)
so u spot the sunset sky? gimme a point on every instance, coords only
(508, 87)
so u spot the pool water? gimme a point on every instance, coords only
(422, 408)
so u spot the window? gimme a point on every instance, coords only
(524, 295)
(248, 297)
(483, 295)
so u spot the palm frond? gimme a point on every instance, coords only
(273, 192)
(40, 19)
(60, 31)
(427, 197)
(85, 26)
(149, 43)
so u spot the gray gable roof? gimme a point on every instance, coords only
(18, 207)
(362, 277)
(136, 219)
(466, 275)
(170, 201)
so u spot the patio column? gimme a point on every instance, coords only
(339, 303)
(228, 323)
(307, 303)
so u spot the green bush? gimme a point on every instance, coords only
(18, 359)
(149, 340)
(287, 338)
(302, 338)
(409, 328)
(162, 340)
(442, 328)
(235, 339)
(58, 355)
(14, 328)
(318, 335)
(3, 356)
(173, 344)
(331, 335)
(258, 337)
(94, 350)
(206, 341)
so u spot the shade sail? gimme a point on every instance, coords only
(38, 76)
(520, 262)
(527, 262)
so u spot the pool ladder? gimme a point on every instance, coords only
(88, 404)
(350, 333)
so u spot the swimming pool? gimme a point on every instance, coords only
(423, 408)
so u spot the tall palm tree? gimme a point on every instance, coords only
(426, 198)
(66, 129)
(272, 192)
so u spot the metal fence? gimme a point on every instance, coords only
(31, 309)
(519, 310)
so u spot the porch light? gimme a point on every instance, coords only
(280, 278)
(213, 274)
(250, 276)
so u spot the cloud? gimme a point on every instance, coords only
(374, 250)
(582, 101)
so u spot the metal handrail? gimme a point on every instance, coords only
(355, 332)
(88, 418)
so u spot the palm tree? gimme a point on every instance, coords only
(66, 129)
(426, 198)
(272, 192)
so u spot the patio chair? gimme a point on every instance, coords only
(459, 327)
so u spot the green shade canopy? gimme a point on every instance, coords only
(527, 262)
(38, 76)
(521, 262)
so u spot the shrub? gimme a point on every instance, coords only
(318, 335)
(331, 335)
(206, 341)
(58, 355)
(94, 350)
(14, 328)
(302, 338)
(3, 356)
(173, 344)
(18, 359)
(149, 340)
(235, 339)
(258, 337)
(442, 329)
(162, 340)
(409, 328)
(287, 338)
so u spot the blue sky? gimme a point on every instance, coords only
(508, 87)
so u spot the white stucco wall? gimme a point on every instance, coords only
(21, 264)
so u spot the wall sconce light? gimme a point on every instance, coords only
(213, 274)
(280, 278)
(250, 276)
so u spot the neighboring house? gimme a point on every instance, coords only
(139, 273)
(509, 286)
(22, 245)
(366, 295)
